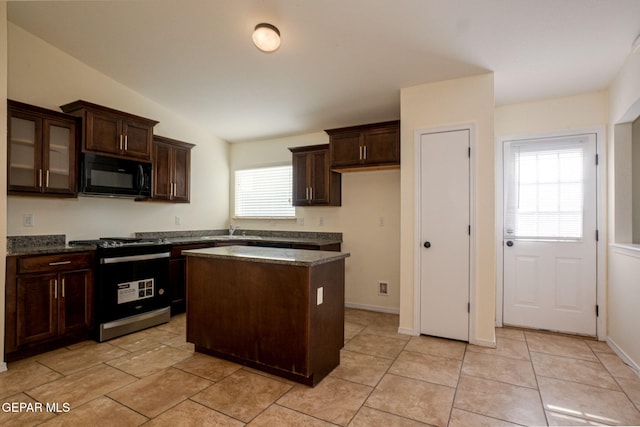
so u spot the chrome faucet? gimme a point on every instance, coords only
(232, 228)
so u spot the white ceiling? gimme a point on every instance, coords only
(341, 62)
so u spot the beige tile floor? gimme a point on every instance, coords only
(153, 377)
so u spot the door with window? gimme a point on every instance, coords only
(550, 233)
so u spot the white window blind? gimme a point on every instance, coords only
(545, 190)
(264, 193)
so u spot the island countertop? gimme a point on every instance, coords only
(269, 255)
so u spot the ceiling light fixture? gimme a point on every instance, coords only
(266, 37)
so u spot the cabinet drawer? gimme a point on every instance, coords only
(62, 262)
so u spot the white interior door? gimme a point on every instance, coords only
(444, 231)
(550, 242)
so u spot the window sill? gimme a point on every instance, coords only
(264, 218)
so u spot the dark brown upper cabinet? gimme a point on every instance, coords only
(42, 151)
(171, 169)
(314, 184)
(113, 132)
(372, 146)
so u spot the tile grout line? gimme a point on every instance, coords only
(533, 367)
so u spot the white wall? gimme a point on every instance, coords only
(367, 197)
(559, 114)
(624, 262)
(635, 185)
(42, 75)
(446, 103)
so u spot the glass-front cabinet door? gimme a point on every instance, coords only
(59, 157)
(41, 151)
(25, 148)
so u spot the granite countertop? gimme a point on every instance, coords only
(245, 235)
(249, 238)
(300, 257)
(42, 245)
(56, 243)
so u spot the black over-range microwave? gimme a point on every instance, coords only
(114, 177)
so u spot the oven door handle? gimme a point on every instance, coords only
(145, 257)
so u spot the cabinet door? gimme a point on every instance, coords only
(346, 149)
(103, 133)
(382, 146)
(161, 171)
(181, 173)
(37, 312)
(138, 137)
(59, 152)
(319, 177)
(75, 301)
(300, 179)
(24, 152)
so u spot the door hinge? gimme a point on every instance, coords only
(469, 152)
(469, 230)
(597, 160)
(597, 310)
(468, 307)
(597, 235)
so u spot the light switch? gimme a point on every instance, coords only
(319, 295)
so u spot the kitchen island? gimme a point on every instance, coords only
(277, 310)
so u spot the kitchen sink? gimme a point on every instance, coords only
(233, 237)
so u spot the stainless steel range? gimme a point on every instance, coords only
(131, 285)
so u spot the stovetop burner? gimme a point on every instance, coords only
(115, 242)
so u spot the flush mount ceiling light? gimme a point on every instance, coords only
(266, 37)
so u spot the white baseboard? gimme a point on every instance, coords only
(483, 343)
(625, 358)
(372, 308)
(408, 331)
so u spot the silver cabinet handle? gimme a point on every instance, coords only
(39, 177)
(46, 181)
(360, 153)
(126, 142)
(62, 288)
(120, 142)
(365, 153)
(55, 288)
(175, 189)
(60, 263)
(311, 193)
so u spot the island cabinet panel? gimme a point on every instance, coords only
(267, 315)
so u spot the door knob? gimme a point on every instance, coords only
(427, 245)
(509, 243)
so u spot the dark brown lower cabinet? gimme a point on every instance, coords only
(49, 302)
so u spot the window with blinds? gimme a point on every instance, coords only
(264, 193)
(545, 185)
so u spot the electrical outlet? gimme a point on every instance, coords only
(178, 220)
(383, 288)
(301, 220)
(381, 221)
(28, 220)
(321, 221)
